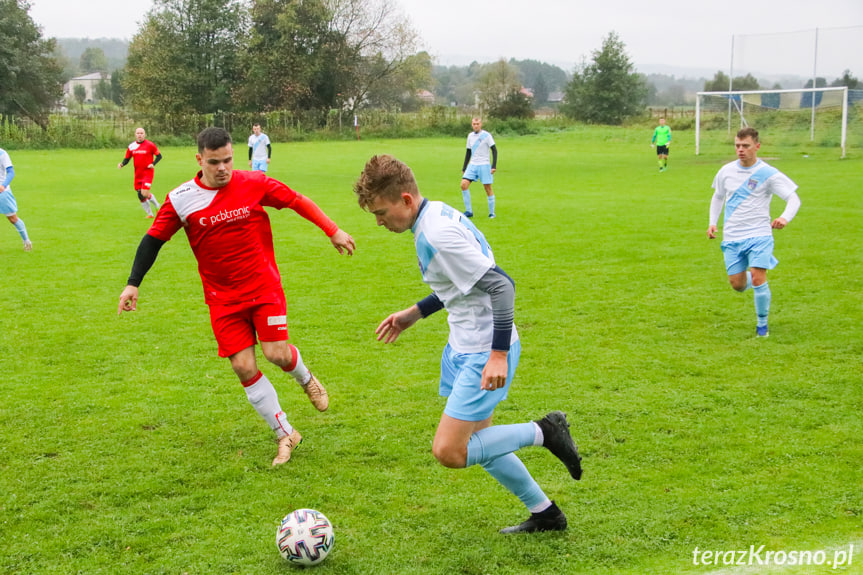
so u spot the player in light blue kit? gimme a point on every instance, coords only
(478, 166)
(8, 205)
(259, 150)
(745, 188)
(482, 353)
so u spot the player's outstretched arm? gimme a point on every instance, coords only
(343, 242)
(128, 300)
(389, 330)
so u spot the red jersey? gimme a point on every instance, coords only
(142, 154)
(230, 233)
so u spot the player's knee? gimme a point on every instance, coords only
(738, 285)
(449, 456)
(13, 219)
(279, 355)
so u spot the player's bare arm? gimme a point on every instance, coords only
(390, 329)
(128, 300)
(343, 242)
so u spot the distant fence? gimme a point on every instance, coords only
(106, 129)
(673, 112)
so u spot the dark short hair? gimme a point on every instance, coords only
(748, 132)
(213, 139)
(256, 124)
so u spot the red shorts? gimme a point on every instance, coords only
(235, 325)
(143, 180)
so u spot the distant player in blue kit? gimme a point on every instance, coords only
(480, 359)
(744, 188)
(260, 150)
(478, 166)
(8, 204)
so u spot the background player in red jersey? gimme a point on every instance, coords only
(222, 213)
(145, 156)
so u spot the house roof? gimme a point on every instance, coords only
(92, 76)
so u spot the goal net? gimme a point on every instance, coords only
(806, 118)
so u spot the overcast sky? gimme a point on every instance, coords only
(770, 35)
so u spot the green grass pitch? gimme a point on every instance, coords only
(128, 446)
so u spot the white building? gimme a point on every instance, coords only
(89, 81)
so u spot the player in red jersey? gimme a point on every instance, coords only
(222, 213)
(145, 156)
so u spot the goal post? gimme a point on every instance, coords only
(752, 105)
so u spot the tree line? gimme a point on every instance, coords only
(209, 56)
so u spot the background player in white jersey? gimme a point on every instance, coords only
(480, 359)
(260, 150)
(478, 166)
(222, 213)
(8, 204)
(745, 188)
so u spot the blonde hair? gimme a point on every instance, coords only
(386, 177)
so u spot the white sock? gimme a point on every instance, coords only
(262, 395)
(146, 207)
(538, 435)
(154, 201)
(298, 369)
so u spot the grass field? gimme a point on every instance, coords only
(127, 446)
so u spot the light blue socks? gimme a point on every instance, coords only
(22, 231)
(762, 303)
(493, 448)
(465, 195)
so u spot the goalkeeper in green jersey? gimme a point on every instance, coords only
(662, 141)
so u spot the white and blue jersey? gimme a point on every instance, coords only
(746, 194)
(453, 255)
(259, 146)
(8, 205)
(480, 145)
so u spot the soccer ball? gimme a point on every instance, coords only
(305, 537)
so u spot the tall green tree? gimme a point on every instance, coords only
(118, 93)
(184, 57)
(819, 82)
(31, 79)
(607, 90)
(719, 83)
(93, 59)
(497, 80)
(293, 59)
(847, 80)
(540, 91)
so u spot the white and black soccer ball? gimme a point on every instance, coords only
(305, 537)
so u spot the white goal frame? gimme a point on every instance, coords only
(739, 108)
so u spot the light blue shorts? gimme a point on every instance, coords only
(749, 253)
(481, 173)
(460, 378)
(8, 205)
(259, 165)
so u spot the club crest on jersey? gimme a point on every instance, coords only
(752, 184)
